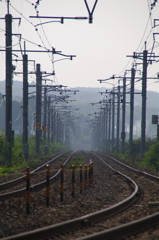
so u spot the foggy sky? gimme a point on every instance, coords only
(101, 48)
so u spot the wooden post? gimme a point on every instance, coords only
(81, 179)
(47, 185)
(85, 173)
(73, 180)
(61, 188)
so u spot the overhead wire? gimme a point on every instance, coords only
(153, 37)
(2, 102)
(33, 27)
(142, 38)
(43, 44)
(150, 36)
(40, 37)
(149, 19)
(18, 115)
(30, 2)
(51, 58)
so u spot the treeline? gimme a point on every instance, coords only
(18, 158)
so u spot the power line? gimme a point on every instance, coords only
(30, 2)
(18, 115)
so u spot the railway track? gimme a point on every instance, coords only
(139, 172)
(98, 221)
(38, 178)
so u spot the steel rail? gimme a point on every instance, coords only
(33, 188)
(147, 175)
(124, 229)
(22, 178)
(84, 220)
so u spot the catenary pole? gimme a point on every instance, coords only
(113, 120)
(45, 113)
(118, 119)
(8, 86)
(123, 115)
(38, 107)
(109, 124)
(25, 105)
(131, 108)
(143, 116)
(48, 124)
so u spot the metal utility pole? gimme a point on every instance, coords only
(38, 107)
(45, 111)
(118, 119)
(123, 115)
(131, 108)
(113, 122)
(109, 125)
(58, 127)
(143, 116)
(144, 55)
(8, 87)
(25, 106)
(104, 130)
(48, 124)
(52, 124)
(106, 127)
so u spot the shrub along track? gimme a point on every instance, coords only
(105, 190)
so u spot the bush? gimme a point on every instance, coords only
(4, 145)
(151, 157)
(17, 151)
(134, 151)
(18, 158)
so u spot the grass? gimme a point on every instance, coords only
(77, 161)
(7, 170)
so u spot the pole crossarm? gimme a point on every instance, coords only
(139, 78)
(61, 18)
(35, 73)
(51, 86)
(70, 18)
(140, 56)
(14, 19)
(53, 51)
(113, 77)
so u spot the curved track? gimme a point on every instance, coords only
(141, 173)
(89, 219)
(34, 187)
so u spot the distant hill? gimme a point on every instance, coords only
(17, 89)
(82, 100)
(85, 94)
